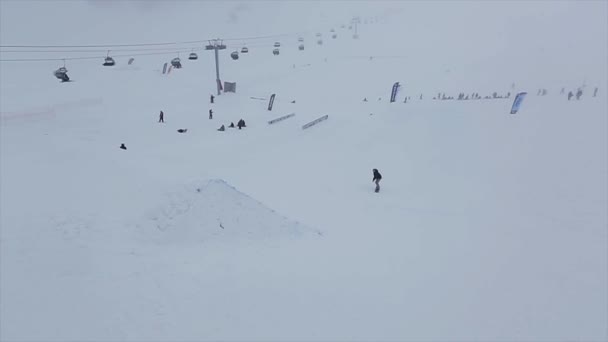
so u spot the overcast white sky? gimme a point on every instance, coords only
(560, 36)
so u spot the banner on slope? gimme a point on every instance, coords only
(230, 87)
(312, 123)
(517, 102)
(273, 121)
(394, 91)
(271, 102)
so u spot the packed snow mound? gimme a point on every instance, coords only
(217, 210)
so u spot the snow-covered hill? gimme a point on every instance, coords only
(489, 226)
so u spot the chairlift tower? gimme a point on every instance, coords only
(216, 45)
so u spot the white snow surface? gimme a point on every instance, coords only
(489, 226)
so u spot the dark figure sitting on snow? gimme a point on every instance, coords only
(231, 125)
(182, 130)
(376, 179)
(221, 129)
(122, 146)
(579, 93)
(241, 124)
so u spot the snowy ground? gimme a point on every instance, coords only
(489, 226)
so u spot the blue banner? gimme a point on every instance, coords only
(394, 91)
(517, 102)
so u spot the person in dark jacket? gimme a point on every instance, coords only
(161, 117)
(122, 146)
(377, 178)
(211, 98)
(570, 95)
(221, 129)
(231, 125)
(210, 114)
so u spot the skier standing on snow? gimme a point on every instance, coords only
(377, 178)
(161, 117)
(579, 93)
(210, 114)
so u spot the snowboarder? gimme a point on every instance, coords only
(376, 179)
(221, 129)
(161, 117)
(122, 146)
(579, 93)
(210, 114)
(570, 95)
(212, 98)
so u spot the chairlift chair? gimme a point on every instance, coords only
(277, 44)
(301, 40)
(301, 47)
(244, 49)
(234, 55)
(193, 56)
(62, 74)
(275, 52)
(176, 63)
(109, 61)
(320, 41)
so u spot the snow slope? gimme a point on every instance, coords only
(489, 226)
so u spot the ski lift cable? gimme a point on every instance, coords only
(101, 45)
(142, 44)
(88, 57)
(87, 51)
